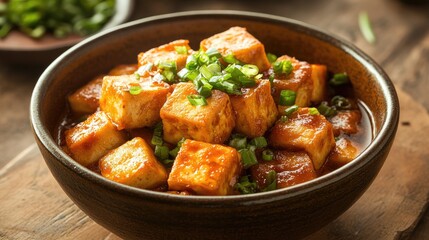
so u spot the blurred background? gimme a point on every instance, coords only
(401, 47)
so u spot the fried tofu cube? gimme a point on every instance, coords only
(85, 100)
(133, 164)
(127, 110)
(299, 81)
(291, 167)
(255, 110)
(319, 76)
(346, 121)
(304, 131)
(211, 123)
(237, 41)
(166, 53)
(91, 139)
(123, 69)
(205, 169)
(344, 152)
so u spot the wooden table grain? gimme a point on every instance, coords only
(33, 206)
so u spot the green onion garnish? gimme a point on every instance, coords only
(157, 135)
(271, 57)
(238, 142)
(272, 181)
(197, 100)
(365, 27)
(204, 88)
(231, 59)
(213, 52)
(169, 65)
(284, 118)
(173, 152)
(248, 157)
(192, 62)
(135, 89)
(287, 98)
(161, 152)
(181, 49)
(313, 111)
(326, 110)
(169, 76)
(259, 142)
(339, 79)
(290, 110)
(267, 155)
(283, 67)
(145, 68)
(250, 70)
(137, 75)
(341, 103)
(205, 71)
(245, 186)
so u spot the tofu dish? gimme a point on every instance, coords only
(229, 118)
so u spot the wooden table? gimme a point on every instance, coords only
(33, 206)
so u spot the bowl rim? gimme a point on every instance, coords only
(381, 140)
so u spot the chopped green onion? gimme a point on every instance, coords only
(135, 89)
(192, 62)
(168, 162)
(229, 88)
(245, 186)
(313, 111)
(214, 68)
(169, 76)
(259, 142)
(365, 27)
(238, 142)
(248, 157)
(271, 57)
(161, 152)
(157, 135)
(171, 66)
(181, 49)
(272, 181)
(231, 59)
(290, 110)
(250, 70)
(205, 89)
(339, 79)
(287, 97)
(203, 59)
(283, 67)
(144, 69)
(267, 155)
(259, 76)
(326, 110)
(197, 100)
(341, 103)
(206, 72)
(213, 52)
(137, 75)
(173, 153)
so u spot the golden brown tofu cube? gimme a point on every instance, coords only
(211, 123)
(305, 131)
(123, 69)
(299, 81)
(255, 110)
(133, 164)
(88, 141)
(344, 152)
(319, 76)
(85, 100)
(346, 122)
(127, 110)
(165, 53)
(291, 168)
(205, 169)
(237, 41)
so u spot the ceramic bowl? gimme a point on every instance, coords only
(292, 212)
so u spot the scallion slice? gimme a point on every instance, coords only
(290, 110)
(259, 142)
(287, 97)
(283, 67)
(248, 157)
(161, 152)
(267, 155)
(197, 100)
(365, 27)
(213, 52)
(313, 111)
(272, 181)
(326, 110)
(181, 49)
(250, 70)
(238, 142)
(245, 186)
(341, 103)
(271, 57)
(135, 89)
(339, 79)
(230, 59)
(157, 135)
(191, 62)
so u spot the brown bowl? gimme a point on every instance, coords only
(292, 212)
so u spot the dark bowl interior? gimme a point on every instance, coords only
(134, 213)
